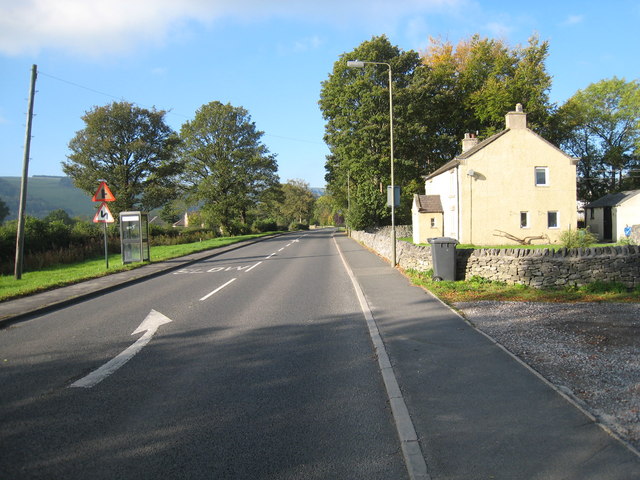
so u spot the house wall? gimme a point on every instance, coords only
(446, 185)
(595, 221)
(504, 185)
(420, 225)
(422, 228)
(626, 214)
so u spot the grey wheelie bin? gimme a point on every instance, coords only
(443, 256)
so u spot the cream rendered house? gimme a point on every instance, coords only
(513, 185)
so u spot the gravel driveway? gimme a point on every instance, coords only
(588, 350)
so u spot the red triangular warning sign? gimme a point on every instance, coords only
(103, 215)
(103, 194)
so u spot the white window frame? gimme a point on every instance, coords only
(544, 170)
(526, 224)
(433, 222)
(557, 225)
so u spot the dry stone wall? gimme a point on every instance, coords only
(536, 268)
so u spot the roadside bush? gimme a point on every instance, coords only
(59, 234)
(626, 241)
(580, 238)
(82, 232)
(294, 226)
(267, 225)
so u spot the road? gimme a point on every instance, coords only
(253, 364)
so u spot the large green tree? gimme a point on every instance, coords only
(297, 202)
(438, 97)
(469, 87)
(227, 167)
(325, 210)
(601, 125)
(130, 147)
(355, 105)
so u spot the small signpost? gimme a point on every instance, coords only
(103, 215)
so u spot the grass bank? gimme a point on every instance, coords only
(61, 275)
(477, 289)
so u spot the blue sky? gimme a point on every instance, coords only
(266, 56)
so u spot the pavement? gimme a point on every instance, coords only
(478, 412)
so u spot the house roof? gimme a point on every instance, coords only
(613, 199)
(429, 204)
(464, 155)
(456, 161)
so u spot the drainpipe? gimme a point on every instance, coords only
(458, 199)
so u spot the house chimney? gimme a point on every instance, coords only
(469, 141)
(516, 120)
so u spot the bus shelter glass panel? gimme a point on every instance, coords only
(134, 237)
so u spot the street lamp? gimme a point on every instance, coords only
(360, 64)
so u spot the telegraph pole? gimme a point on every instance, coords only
(25, 175)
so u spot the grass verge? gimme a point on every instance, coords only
(554, 246)
(61, 275)
(477, 289)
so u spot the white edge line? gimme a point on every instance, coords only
(217, 290)
(413, 456)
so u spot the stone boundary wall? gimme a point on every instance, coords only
(536, 268)
(635, 235)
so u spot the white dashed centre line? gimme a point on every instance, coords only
(217, 290)
(252, 267)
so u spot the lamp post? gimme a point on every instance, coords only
(360, 64)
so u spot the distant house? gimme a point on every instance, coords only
(608, 216)
(514, 184)
(183, 221)
(187, 219)
(428, 217)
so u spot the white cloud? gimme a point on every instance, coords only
(306, 44)
(417, 32)
(573, 20)
(498, 29)
(96, 27)
(159, 71)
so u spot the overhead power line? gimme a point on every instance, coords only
(121, 98)
(169, 111)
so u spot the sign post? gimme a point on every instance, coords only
(103, 215)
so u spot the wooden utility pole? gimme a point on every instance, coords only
(25, 175)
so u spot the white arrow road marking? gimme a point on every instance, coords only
(217, 289)
(150, 326)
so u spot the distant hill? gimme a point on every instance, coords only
(318, 192)
(45, 194)
(48, 193)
